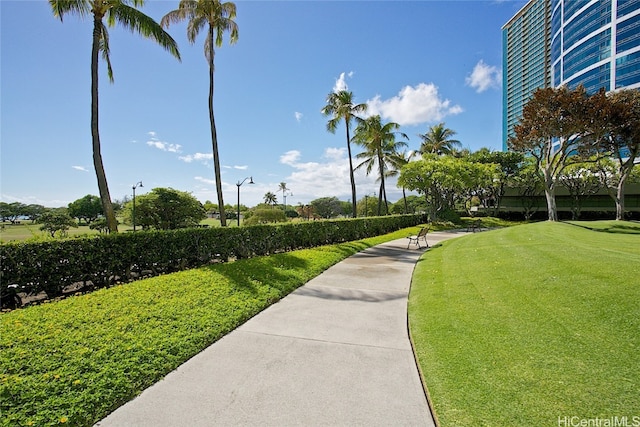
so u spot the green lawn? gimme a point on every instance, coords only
(76, 360)
(523, 325)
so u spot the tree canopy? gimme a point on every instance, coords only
(166, 209)
(87, 208)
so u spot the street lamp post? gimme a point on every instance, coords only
(133, 211)
(239, 184)
(284, 196)
(366, 207)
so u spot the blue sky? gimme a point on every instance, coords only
(414, 62)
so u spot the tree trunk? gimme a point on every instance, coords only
(214, 136)
(353, 180)
(552, 209)
(625, 171)
(103, 188)
(550, 194)
(383, 188)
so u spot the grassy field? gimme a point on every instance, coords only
(26, 230)
(531, 324)
(74, 361)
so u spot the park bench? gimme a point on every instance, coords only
(422, 235)
(475, 225)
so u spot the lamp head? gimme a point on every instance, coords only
(250, 180)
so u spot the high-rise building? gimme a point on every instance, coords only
(526, 61)
(595, 43)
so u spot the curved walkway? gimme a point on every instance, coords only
(335, 352)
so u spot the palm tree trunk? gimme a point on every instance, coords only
(353, 180)
(383, 188)
(214, 137)
(404, 197)
(103, 188)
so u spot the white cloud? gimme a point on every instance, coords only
(327, 178)
(341, 83)
(200, 157)
(161, 145)
(165, 146)
(484, 77)
(241, 167)
(413, 105)
(298, 116)
(206, 180)
(80, 168)
(290, 157)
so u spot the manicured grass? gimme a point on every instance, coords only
(523, 325)
(76, 360)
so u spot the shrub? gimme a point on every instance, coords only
(102, 261)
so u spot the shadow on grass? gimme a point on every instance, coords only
(276, 271)
(615, 227)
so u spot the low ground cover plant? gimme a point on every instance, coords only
(530, 325)
(74, 361)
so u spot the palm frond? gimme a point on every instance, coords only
(195, 25)
(103, 46)
(60, 8)
(137, 22)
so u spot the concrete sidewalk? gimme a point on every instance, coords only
(334, 352)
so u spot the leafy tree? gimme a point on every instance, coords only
(341, 107)
(438, 140)
(622, 140)
(33, 211)
(219, 18)
(380, 145)
(101, 225)
(366, 206)
(609, 173)
(327, 207)
(210, 208)
(306, 211)
(509, 164)
(410, 204)
(56, 221)
(529, 185)
(88, 208)
(121, 12)
(477, 181)
(558, 127)
(264, 216)
(166, 209)
(581, 180)
(397, 161)
(446, 181)
(11, 211)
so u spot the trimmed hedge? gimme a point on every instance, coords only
(51, 266)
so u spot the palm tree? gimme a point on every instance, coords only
(340, 106)
(220, 19)
(379, 142)
(438, 140)
(397, 161)
(270, 198)
(283, 187)
(121, 12)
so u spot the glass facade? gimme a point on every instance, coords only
(595, 43)
(599, 37)
(525, 60)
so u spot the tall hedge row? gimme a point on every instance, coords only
(104, 260)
